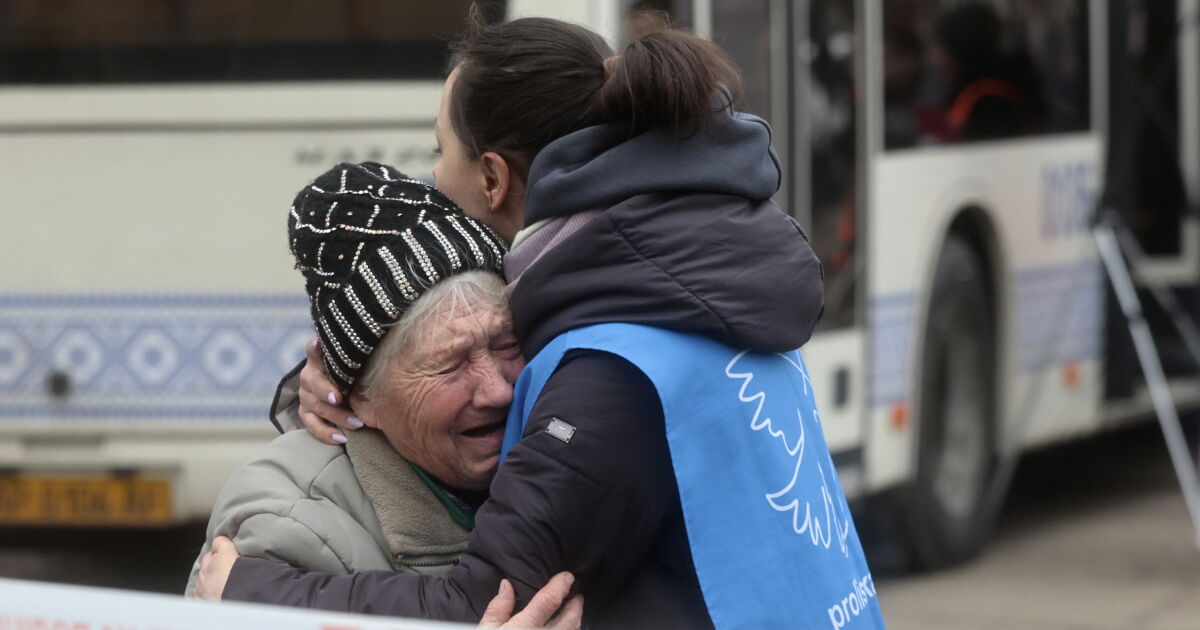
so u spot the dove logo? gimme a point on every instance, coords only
(828, 521)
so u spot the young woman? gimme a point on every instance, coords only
(634, 195)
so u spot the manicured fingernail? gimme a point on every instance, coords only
(354, 422)
(503, 586)
(312, 344)
(332, 398)
(570, 579)
(339, 438)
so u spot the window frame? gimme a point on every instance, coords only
(177, 59)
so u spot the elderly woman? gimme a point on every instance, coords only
(414, 284)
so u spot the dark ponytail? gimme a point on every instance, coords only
(669, 79)
(526, 83)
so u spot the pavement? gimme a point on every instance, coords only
(1095, 536)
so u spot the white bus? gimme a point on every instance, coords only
(945, 155)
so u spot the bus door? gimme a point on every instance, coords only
(1154, 168)
(1162, 57)
(827, 184)
(800, 66)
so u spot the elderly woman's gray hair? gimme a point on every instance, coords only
(462, 294)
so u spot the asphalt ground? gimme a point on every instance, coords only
(158, 560)
(1095, 535)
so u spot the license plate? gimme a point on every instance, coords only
(121, 501)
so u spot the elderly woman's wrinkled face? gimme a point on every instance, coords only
(443, 403)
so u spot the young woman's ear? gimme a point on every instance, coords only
(505, 194)
(497, 178)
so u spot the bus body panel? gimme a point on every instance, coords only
(1038, 194)
(179, 167)
(156, 305)
(835, 360)
(180, 175)
(602, 16)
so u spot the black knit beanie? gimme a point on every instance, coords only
(370, 241)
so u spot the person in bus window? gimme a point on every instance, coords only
(646, 253)
(428, 363)
(902, 53)
(985, 102)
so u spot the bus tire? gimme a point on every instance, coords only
(945, 506)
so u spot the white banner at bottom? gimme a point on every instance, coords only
(28, 605)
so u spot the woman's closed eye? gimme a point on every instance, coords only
(506, 346)
(449, 368)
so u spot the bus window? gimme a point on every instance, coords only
(741, 28)
(157, 41)
(981, 70)
(831, 107)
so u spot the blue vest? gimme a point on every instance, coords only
(769, 528)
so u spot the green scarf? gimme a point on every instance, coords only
(462, 514)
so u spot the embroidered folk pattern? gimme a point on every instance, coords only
(148, 356)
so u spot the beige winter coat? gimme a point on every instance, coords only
(336, 510)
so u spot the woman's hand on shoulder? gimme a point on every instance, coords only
(322, 408)
(540, 611)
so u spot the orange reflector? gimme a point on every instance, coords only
(899, 416)
(1070, 374)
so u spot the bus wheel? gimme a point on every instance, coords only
(947, 515)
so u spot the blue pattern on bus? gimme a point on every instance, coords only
(1059, 314)
(891, 319)
(1059, 311)
(220, 355)
(149, 356)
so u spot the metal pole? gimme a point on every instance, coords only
(1156, 381)
(702, 18)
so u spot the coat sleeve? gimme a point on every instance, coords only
(296, 502)
(593, 506)
(285, 406)
(278, 538)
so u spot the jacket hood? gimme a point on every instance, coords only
(599, 167)
(688, 239)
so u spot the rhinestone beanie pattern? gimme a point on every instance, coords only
(370, 241)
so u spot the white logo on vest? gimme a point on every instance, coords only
(821, 528)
